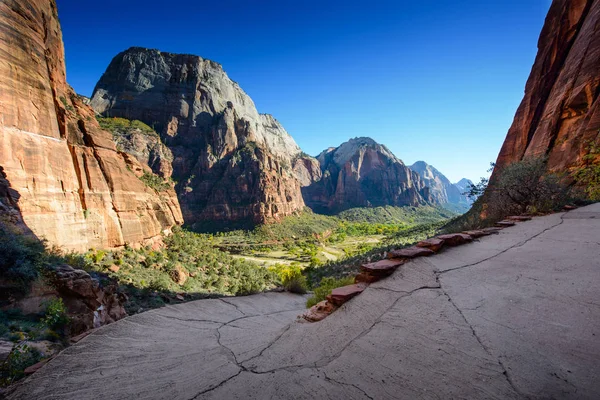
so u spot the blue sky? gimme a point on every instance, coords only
(438, 81)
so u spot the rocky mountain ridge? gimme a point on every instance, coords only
(363, 173)
(232, 163)
(443, 192)
(66, 177)
(559, 116)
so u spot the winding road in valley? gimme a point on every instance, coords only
(513, 315)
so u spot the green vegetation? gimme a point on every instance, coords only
(21, 357)
(325, 287)
(119, 126)
(155, 182)
(588, 176)
(290, 277)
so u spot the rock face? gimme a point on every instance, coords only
(441, 189)
(363, 173)
(560, 113)
(231, 163)
(463, 185)
(71, 184)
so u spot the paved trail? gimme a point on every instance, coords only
(515, 315)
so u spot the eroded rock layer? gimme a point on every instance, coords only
(70, 183)
(363, 173)
(560, 114)
(231, 163)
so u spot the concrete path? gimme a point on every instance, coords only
(515, 315)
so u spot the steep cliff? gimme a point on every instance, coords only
(231, 163)
(363, 173)
(560, 112)
(69, 181)
(442, 191)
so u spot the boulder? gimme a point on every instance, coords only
(476, 233)
(505, 224)
(319, 311)
(519, 218)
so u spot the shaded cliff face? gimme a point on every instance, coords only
(442, 191)
(560, 113)
(232, 163)
(73, 187)
(363, 173)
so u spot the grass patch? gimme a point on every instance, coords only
(325, 287)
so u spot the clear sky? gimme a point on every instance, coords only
(434, 80)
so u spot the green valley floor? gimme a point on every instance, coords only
(515, 315)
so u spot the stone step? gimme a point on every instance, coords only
(455, 239)
(433, 244)
(342, 294)
(492, 230)
(383, 267)
(505, 223)
(519, 218)
(477, 233)
(410, 252)
(365, 277)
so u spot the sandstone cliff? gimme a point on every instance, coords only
(73, 187)
(560, 113)
(363, 173)
(442, 191)
(231, 163)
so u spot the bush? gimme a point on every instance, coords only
(525, 186)
(21, 357)
(290, 277)
(121, 125)
(155, 182)
(325, 287)
(588, 175)
(56, 316)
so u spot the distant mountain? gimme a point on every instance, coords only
(442, 190)
(463, 185)
(363, 173)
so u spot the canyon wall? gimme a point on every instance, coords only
(560, 113)
(70, 183)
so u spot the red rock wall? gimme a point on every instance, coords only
(560, 113)
(72, 186)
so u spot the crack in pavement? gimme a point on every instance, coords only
(327, 378)
(504, 369)
(520, 244)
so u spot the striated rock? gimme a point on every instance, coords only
(441, 189)
(71, 185)
(560, 112)
(411, 252)
(434, 244)
(307, 170)
(455, 239)
(342, 294)
(363, 173)
(232, 163)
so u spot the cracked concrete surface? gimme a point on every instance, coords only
(514, 315)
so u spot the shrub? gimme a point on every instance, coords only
(56, 316)
(525, 186)
(155, 182)
(21, 357)
(291, 277)
(588, 175)
(325, 287)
